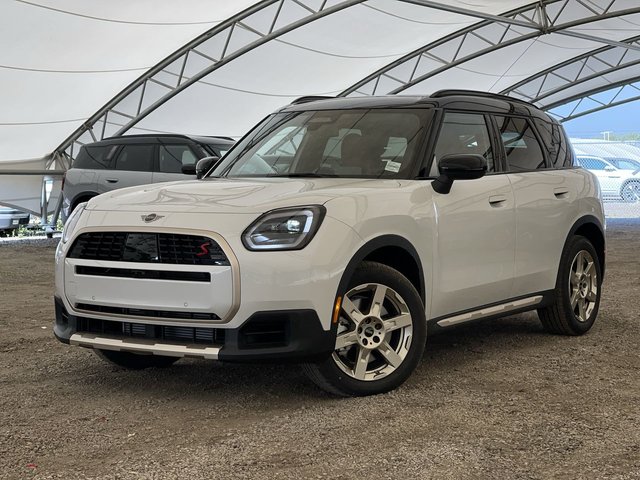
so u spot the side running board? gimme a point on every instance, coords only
(490, 311)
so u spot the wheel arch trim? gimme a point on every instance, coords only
(590, 220)
(82, 195)
(379, 243)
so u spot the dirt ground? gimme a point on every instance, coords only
(496, 399)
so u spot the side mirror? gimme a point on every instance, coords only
(609, 168)
(458, 167)
(189, 169)
(204, 165)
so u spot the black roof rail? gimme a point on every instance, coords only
(478, 93)
(166, 135)
(310, 98)
(145, 135)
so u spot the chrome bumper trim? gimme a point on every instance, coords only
(144, 346)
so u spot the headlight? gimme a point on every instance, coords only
(72, 221)
(284, 229)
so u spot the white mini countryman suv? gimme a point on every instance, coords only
(334, 234)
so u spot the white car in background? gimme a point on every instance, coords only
(616, 182)
(11, 219)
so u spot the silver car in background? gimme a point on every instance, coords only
(132, 160)
(11, 219)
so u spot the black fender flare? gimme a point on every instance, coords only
(80, 195)
(588, 219)
(373, 245)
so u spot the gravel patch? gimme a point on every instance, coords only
(494, 400)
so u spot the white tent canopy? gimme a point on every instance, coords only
(80, 71)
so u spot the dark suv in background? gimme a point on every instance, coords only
(131, 160)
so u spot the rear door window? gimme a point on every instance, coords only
(521, 146)
(135, 158)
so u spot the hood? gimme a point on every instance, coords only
(228, 195)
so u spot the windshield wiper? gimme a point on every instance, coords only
(304, 175)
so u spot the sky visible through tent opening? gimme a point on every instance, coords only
(623, 120)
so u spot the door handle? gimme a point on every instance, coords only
(561, 192)
(497, 200)
(112, 180)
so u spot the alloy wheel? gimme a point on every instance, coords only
(374, 332)
(583, 285)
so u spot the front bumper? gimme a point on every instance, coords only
(293, 290)
(287, 335)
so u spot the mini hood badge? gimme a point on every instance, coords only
(152, 217)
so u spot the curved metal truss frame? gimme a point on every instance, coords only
(269, 19)
(218, 46)
(581, 70)
(585, 103)
(493, 33)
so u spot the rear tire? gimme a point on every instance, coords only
(381, 335)
(577, 293)
(135, 361)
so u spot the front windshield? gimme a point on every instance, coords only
(364, 143)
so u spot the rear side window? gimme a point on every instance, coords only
(556, 143)
(95, 157)
(520, 144)
(463, 133)
(174, 157)
(135, 158)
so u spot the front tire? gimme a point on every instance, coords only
(381, 335)
(577, 294)
(135, 361)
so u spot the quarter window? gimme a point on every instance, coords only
(174, 157)
(135, 158)
(463, 133)
(559, 154)
(520, 144)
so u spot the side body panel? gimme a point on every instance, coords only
(474, 245)
(109, 180)
(546, 206)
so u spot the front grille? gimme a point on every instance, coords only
(143, 247)
(207, 336)
(139, 312)
(144, 274)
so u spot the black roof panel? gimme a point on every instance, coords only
(163, 138)
(452, 99)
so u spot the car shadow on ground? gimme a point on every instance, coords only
(447, 352)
